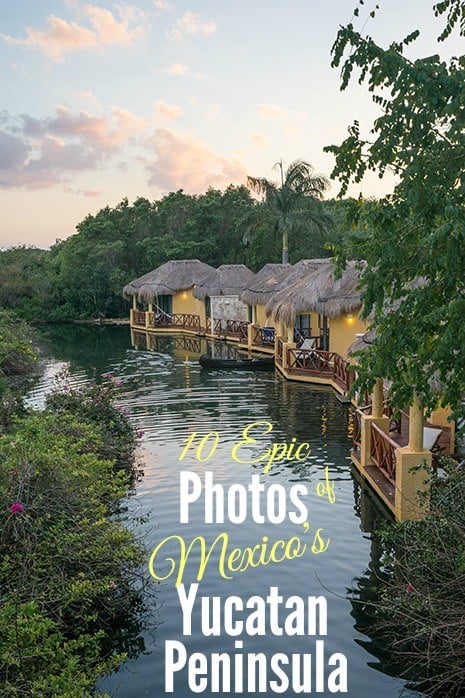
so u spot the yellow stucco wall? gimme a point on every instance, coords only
(184, 302)
(261, 317)
(342, 331)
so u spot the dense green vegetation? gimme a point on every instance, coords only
(83, 276)
(294, 203)
(413, 603)
(69, 611)
(413, 242)
(413, 239)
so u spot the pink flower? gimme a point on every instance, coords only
(16, 508)
(409, 587)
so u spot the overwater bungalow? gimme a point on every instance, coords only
(390, 446)
(268, 283)
(163, 298)
(226, 314)
(256, 295)
(318, 316)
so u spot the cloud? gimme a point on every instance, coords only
(190, 24)
(187, 163)
(271, 112)
(212, 112)
(89, 97)
(37, 153)
(167, 112)
(163, 5)
(259, 140)
(61, 37)
(127, 123)
(177, 69)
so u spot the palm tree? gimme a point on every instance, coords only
(294, 203)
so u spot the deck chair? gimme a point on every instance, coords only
(303, 352)
(306, 344)
(431, 438)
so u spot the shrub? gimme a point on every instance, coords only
(16, 352)
(95, 405)
(68, 561)
(420, 609)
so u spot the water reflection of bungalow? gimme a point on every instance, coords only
(163, 300)
(226, 315)
(390, 446)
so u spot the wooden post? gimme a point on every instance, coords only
(412, 481)
(289, 334)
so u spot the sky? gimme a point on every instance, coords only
(107, 100)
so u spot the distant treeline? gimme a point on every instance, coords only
(82, 276)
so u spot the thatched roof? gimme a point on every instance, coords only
(362, 342)
(171, 277)
(264, 283)
(263, 292)
(317, 290)
(227, 280)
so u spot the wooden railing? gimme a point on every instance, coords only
(216, 326)
(180, 320)
(244, 332)
(311, 360)
(186, 322)
(138, 317)
(344, 375)
(327, 364)
(235, 328)
(264, 336)
(383, 452)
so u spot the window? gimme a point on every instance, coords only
(165, 304)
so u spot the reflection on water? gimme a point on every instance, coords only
(170, 398)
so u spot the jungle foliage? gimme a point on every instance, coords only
(414, 239)
(70, 606)
(414, 290)
(82, 276)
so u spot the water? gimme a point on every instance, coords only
(171, 398)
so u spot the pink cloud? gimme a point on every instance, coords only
(61, 37)
(167, 112)
(190, 24)
(39, 153)
(177, 69)
(187, 163)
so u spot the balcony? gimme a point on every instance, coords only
(320, 364)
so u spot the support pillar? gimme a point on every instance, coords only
(250, 334)
(412, 471)
(147, 315)
(287, 345)
(131, 312)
